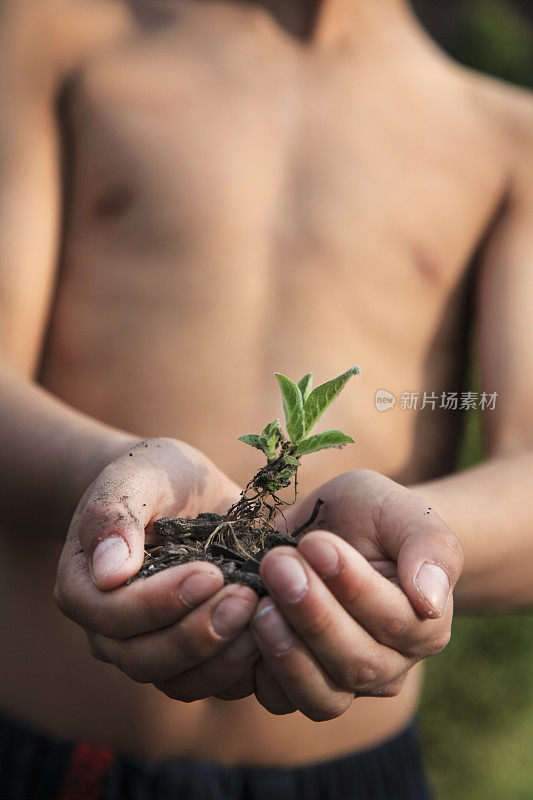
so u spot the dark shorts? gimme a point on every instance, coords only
(36, 766)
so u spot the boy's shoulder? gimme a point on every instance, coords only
(508, 110)
(42, 41)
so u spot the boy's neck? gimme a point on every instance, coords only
(326, 22)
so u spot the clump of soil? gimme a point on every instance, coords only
(235, 542)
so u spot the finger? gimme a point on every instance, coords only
(375, 602)
(298, 672)
(161, 655)
(111, 519)
(347, 652)
(387, 521)
(429, 555)
(231, 672)
(391, 689)
(241, 689)
(269, 692)
(153, 478)
(145, 605)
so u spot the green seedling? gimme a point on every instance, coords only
(302, 407)
(237, 541)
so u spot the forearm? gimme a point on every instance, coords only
(489, 507)
(49, 454)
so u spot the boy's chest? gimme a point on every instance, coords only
(244, 143)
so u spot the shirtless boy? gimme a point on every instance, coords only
(194, 195)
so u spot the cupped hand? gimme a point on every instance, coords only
(361, 601)
(180, 629)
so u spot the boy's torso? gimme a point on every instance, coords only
(239, 204)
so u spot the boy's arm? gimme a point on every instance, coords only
(51, 454)
(490, 507)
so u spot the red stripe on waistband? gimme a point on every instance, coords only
(86, 772)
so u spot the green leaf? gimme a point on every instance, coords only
(285, 475)
(321, 441)
(272, 436)
(254, 441)
(322, 397)
(264, 444)
(305, 385)
(272, 428)
(292, 408)
(290, 460)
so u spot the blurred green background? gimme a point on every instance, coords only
(493, 36)
(477, 708)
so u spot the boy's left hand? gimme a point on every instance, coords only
(361, 600)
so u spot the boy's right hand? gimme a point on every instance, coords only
(180, 629)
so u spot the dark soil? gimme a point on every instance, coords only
(235, 543)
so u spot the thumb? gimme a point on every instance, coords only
(111, 519)
(428, 555)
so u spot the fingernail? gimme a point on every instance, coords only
(241, 648)
(434, 585)
(286, 577)
(231, 614)
(110, 554)
(322, 556)
(272, 629)
(198, 587)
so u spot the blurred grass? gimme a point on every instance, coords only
(476, 714)
(494, 36)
